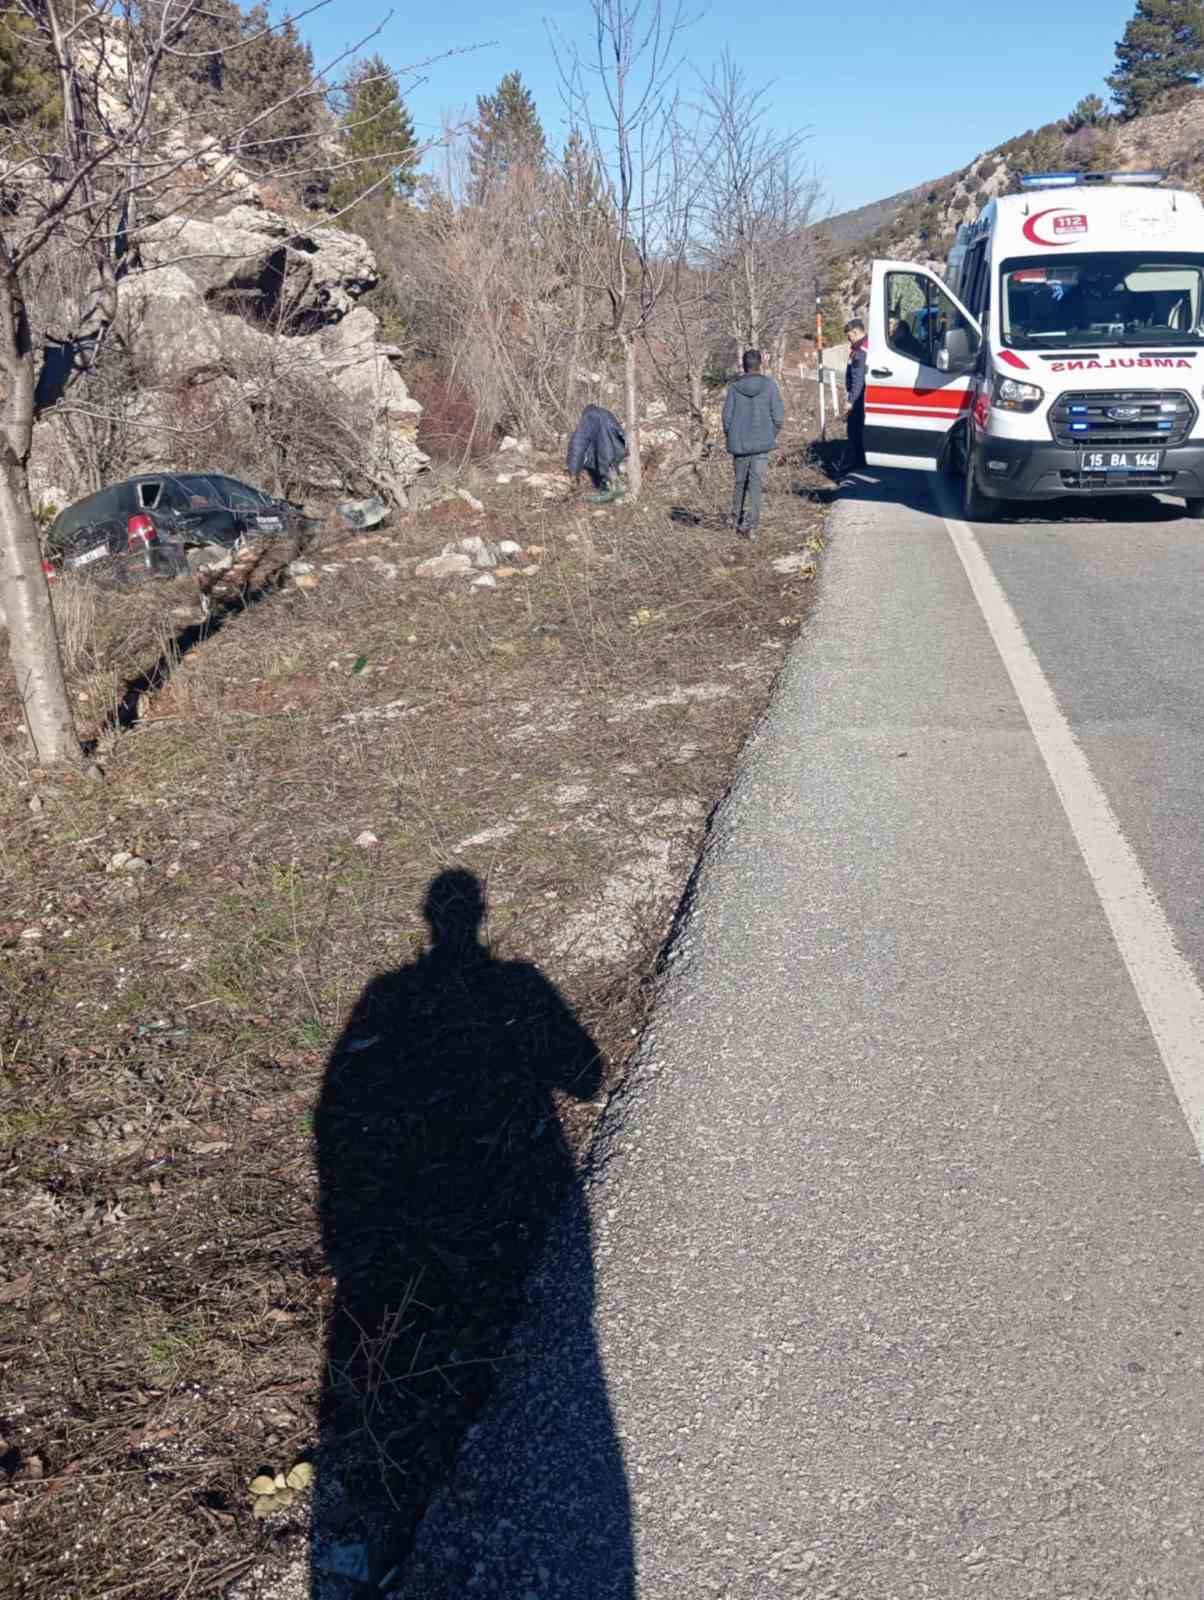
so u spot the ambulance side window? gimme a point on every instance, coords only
(976, 280)
(919, 314)
(907, 315)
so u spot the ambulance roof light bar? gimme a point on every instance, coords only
(1050, 180)
(1068, 180)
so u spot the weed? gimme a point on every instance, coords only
(163, 1034)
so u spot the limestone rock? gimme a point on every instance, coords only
(444, 566)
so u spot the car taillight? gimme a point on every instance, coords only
(49, 568)
(140, 531)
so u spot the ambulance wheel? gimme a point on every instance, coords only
(975, 505)
(1195, 509)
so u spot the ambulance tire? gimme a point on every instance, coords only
(976, 507)
(1194, 509)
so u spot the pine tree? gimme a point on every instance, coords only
(275, 67)
(377, 135)
(29, 95)
(1088, 113)
(506, 134)
(1162, 48)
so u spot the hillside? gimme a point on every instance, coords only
(851, 227)
(920, 224)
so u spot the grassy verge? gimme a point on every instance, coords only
(181, 944)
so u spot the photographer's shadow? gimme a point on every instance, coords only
(441, 1158)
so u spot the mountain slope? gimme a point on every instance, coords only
(920, 224)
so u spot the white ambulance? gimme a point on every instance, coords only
(1065, 355)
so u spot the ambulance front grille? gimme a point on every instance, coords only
(1139, 418)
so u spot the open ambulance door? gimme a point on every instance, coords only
(920, 364)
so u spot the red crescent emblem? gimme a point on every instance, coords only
(1031, 234)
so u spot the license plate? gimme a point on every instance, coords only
(1120, 460)
(90, 555)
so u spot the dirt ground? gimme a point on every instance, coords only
(191, 945)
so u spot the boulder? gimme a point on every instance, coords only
(260, 265)
(365, 370)
(169, 325)
(179, 334)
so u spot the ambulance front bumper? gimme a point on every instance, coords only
(1032, 469)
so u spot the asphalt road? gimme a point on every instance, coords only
(893, 1286)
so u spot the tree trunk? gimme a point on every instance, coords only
(570, 378)
(631, 420)
(33, 640)
(24, 595)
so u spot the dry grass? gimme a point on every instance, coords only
(163, 1031)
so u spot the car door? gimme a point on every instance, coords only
(923, 352)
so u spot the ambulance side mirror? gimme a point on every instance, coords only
(956, 354)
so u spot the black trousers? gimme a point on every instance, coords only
(855, 426)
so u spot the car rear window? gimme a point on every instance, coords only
(97, 508)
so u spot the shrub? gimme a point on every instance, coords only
(450, 428)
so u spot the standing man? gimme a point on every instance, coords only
(854, 383)
(752, 419)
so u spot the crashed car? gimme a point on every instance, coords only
(166, 523)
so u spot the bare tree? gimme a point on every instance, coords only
(622, 100)
(493, 283)
(757, 205)
(121, 155)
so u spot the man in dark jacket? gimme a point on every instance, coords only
(752, 419)
(854, 383)
(598, 446)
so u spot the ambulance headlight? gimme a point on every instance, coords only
(1012, 395)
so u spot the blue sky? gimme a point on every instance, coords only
(893, 94)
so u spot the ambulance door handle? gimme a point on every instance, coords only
(881, 372)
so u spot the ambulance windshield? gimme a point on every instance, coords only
(1102, 301)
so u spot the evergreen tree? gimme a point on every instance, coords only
(1162, 48)
(377, 134)
(276, 68)
(29, 94)
(507, 133)
(1088, 113)
(235, 64)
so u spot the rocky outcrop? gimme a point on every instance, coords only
(260, 265)
(247, 299)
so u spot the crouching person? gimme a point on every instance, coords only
(598, 447)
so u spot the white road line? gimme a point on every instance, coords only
(1165, 983)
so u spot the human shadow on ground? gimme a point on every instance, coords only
(441, 1161)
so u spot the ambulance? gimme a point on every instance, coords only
(1062, 355)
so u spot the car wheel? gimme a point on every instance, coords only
(976, 507)
(1194, 509)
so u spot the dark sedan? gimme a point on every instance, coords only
(146, 526)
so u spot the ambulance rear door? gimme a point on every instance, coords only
(922, 357)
